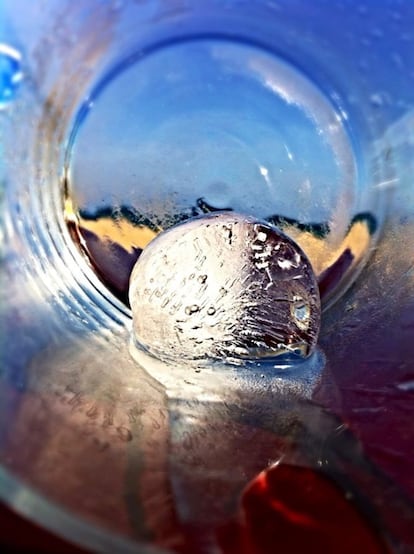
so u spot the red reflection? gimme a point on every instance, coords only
(295, 510)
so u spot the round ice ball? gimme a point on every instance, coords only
(224, 287)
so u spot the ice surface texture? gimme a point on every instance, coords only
(224, 286)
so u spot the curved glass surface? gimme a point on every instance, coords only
(119, 119)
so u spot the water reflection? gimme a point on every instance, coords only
(113, 237)
(179, 464)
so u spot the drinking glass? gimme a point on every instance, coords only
(120, 119)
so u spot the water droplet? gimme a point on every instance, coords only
(117, 5)
(397, 60)
(379, 99)
(377, 32)
(10, 74)
(406, 386)
(262, 310)
(218, 197)
(190, 310)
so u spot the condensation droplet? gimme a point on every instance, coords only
(262, 308)
(10, 74)
(378, 99)
(192, 309)
(407, 386)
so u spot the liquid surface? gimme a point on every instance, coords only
(224, 286)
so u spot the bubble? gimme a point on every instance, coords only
(10, 74)
(259, 286)
(301, 312)
(192, 309)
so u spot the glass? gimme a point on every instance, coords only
(120, 119)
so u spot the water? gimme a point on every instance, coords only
(199, 124)
(224, 287)
(10, 74)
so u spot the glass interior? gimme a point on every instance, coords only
(120, 119)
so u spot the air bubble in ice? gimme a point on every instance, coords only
(256, 282)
